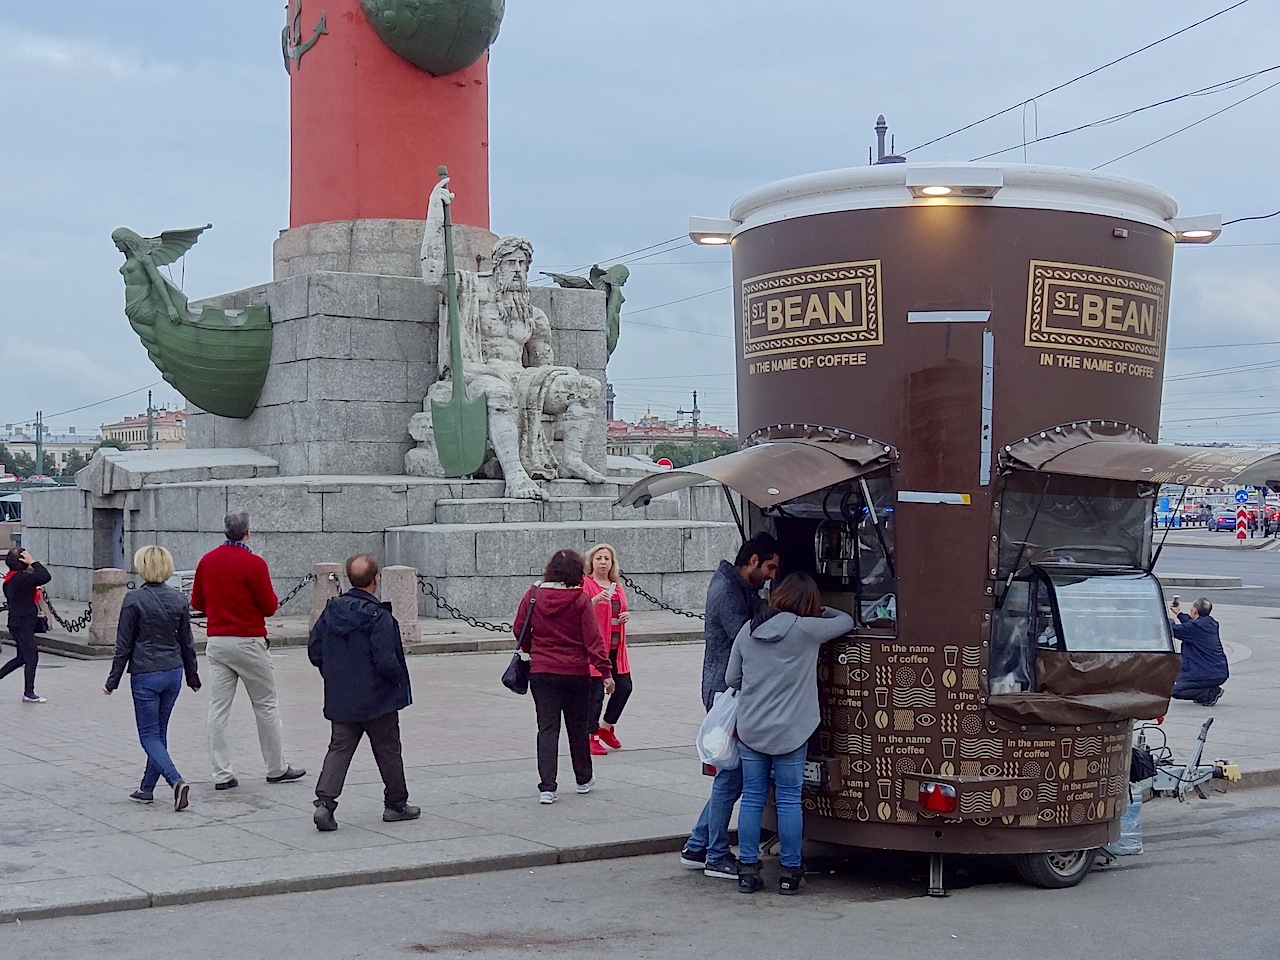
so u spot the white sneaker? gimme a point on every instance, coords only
(547, 796)
(26, 699)
(586, 787)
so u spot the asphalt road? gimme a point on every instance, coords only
(1259, 569)
(1206, 886)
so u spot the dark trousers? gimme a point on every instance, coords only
(384, 740)
(24, 638)
(1201, 691)
(621, 693)
(555, 695)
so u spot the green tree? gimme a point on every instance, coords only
(113, 443)
(74, 462)
(23, 464)
(681, 453)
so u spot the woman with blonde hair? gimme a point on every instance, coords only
(154, 642)
(603, 587)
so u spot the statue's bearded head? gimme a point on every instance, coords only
(511, 259)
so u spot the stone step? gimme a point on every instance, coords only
(484, 568)
(555, 510)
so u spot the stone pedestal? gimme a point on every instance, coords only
(109, 588)
(328, 584)
(352, 357)
(400, 589)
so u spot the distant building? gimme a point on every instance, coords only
(168, 429)
(624, 439)
(58, 444)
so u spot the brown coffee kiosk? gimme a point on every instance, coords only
(949, 385)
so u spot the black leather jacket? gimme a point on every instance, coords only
(154, 634)
(20, 591)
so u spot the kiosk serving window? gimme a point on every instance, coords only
(1074, 609)
(844, 536)
(1039, 527)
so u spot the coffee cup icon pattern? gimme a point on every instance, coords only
(893, 712)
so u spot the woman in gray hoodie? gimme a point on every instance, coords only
(774, 666)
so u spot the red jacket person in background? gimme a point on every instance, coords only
(564, 644)
(233, 588)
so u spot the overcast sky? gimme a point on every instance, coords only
(611, 123)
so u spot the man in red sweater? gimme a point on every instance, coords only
(233, 588)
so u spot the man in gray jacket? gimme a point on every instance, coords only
(732, 598)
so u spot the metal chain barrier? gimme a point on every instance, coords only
(445, 605)
(309, 578)
(71, 626)
(636, 588)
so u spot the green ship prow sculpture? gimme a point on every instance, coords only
(216, 359)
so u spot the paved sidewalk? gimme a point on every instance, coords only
(71, 841)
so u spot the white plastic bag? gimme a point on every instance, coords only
(717, 743)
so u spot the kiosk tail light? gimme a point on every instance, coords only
(938, 797)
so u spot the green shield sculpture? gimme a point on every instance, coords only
(438, 36)
(218, 359)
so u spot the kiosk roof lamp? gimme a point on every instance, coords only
(1202, 229)
(961, 182)
(710, 231)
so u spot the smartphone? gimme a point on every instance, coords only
(1175, 599)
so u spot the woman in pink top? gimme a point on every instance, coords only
(609, 601)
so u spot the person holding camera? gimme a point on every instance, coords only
(1204, 664)
(22, 583)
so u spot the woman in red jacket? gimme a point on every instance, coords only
(608, 599)
(564, 644)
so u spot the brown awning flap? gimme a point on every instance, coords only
(1117, 451)
(1089, 687)
(774, 471)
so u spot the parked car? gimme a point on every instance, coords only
(1224, 518)
(1196, 513)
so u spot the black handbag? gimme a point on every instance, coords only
(516, 677)
(42, 624)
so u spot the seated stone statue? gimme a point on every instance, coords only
(507, 358)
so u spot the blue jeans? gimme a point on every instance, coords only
(711, 832)
(154, 695)
(788, 778)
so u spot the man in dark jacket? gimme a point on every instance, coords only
(356, 646)
(1204, 665)
(732, 597)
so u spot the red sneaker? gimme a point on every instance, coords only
(597, 748)
(609, 737)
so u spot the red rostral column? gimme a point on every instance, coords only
(368, 129)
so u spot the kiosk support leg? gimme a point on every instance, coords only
(935, 876)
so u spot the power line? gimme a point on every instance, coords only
(1194, 123)
(1082, 76)
(705, 293)
(1240, 368)
(1202, 91)
(1243, 219)
(63, 413)
(621, 257)
(1218, 346)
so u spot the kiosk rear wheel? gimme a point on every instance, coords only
(1056, 870)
